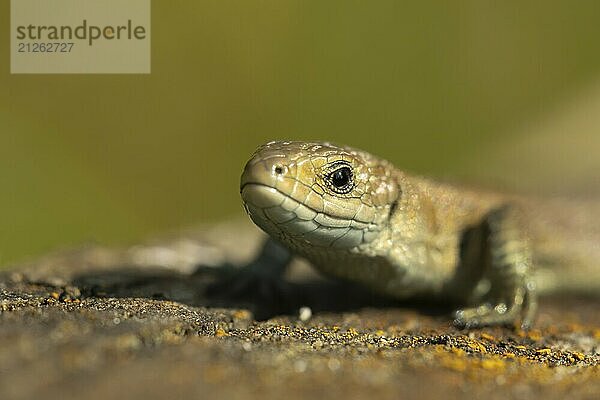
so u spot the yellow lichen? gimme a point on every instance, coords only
(242, 314)
(221, 333)
(458, 352)
(477, 346)
(493, 363)
(455, 364)
(535, 335)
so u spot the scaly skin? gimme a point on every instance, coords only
(357, 217)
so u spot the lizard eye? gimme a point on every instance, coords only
(340, 179)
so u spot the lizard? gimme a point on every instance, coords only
(357, 217)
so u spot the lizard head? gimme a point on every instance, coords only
(318, 193)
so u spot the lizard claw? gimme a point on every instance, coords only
(485, 315)
(523, 305)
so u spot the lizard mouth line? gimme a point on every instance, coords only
(299, 204)
(283, 216)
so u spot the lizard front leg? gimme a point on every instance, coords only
(261, 279)
(508, 268)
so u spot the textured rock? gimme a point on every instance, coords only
(133, 323)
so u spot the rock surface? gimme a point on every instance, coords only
(135, 323)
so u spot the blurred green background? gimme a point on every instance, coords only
(436, 87)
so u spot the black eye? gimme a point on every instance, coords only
(341, 180)
(341, 177)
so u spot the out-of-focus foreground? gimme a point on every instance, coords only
(134, 324)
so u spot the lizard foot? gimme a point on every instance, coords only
(264, 294)
(523, 304)
(485, 315)
(508, 269)
(244, 282)
(258, 285)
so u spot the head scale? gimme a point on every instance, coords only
(318, 193)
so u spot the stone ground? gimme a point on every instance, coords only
(135, 323)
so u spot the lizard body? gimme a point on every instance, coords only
(357, 217)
